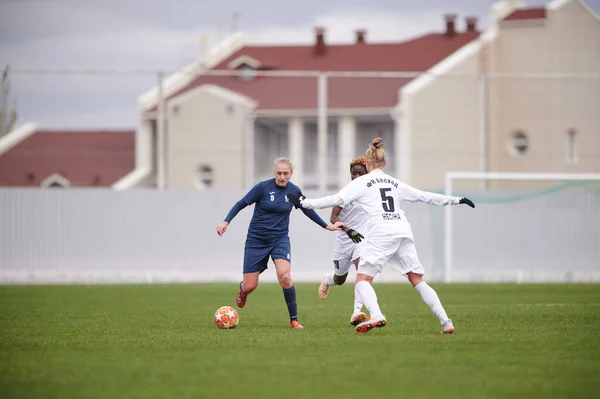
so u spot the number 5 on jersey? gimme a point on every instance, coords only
(387, 201)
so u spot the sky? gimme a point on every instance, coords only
(128, 35)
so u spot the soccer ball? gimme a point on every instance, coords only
(226, 317)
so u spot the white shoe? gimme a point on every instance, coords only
(448, 327)
(358, 317)
(368, 325)
(323, 289)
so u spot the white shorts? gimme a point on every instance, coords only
(398, 252)
(343, 260)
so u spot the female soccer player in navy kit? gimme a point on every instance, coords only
(268, 234)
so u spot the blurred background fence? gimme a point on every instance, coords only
(96, 235)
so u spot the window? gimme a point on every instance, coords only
(55, 181)
(247, 72)
(311, 155)
(570, 156)
(247, 66)
(205, 176)
(518, 144)
(270, 142)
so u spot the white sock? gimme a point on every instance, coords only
(358, 305)
(430, 297)
(329, 280)
(365, 291)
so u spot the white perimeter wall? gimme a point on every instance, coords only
(97, 235)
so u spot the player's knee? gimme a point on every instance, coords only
(285, 280)
(414, 278)
(249, 286)
(340, 280)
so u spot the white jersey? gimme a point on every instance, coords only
(354, 217)
(380, 196)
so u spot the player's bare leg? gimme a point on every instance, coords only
(364, 289)
(430, 297)
(283, 268)
(248, 284)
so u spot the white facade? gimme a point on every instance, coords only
(458, 117)
(297, 138)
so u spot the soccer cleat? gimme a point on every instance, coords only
(323, 289)
(358, 318)
(448, 327)
(368, 325)
(296, 324)
(241, 299)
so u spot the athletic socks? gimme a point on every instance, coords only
(430, 297)
(329, 281)
(364, 290)
(290, 300)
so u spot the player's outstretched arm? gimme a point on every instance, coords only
(251, 197)
(336, 226)
(345, 195)
(414, 195)
(312, 215)
(300, 201)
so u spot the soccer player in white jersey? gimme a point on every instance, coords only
(346, 250)
(389, 237)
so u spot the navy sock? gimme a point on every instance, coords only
(241, 287)
(290, 300)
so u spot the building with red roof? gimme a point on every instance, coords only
(520, 96)
(262, 102)
(447, 100)
(36, 157)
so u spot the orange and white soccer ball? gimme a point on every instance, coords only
(226, 317)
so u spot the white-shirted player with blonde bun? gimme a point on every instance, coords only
(388, 236)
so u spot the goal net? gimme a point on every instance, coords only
(526, 227)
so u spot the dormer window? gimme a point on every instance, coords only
(55, 181)
(247, 72)
(246, 65)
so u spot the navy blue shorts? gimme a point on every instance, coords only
(256, 254)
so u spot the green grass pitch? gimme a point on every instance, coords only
(159, 341)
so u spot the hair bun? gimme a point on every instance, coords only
(377, 143)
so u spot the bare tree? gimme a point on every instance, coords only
(8, 113)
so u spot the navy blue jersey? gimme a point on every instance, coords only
(271, 218)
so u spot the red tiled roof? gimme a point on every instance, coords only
(85, 158)
(279, 93)
(527, 13)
